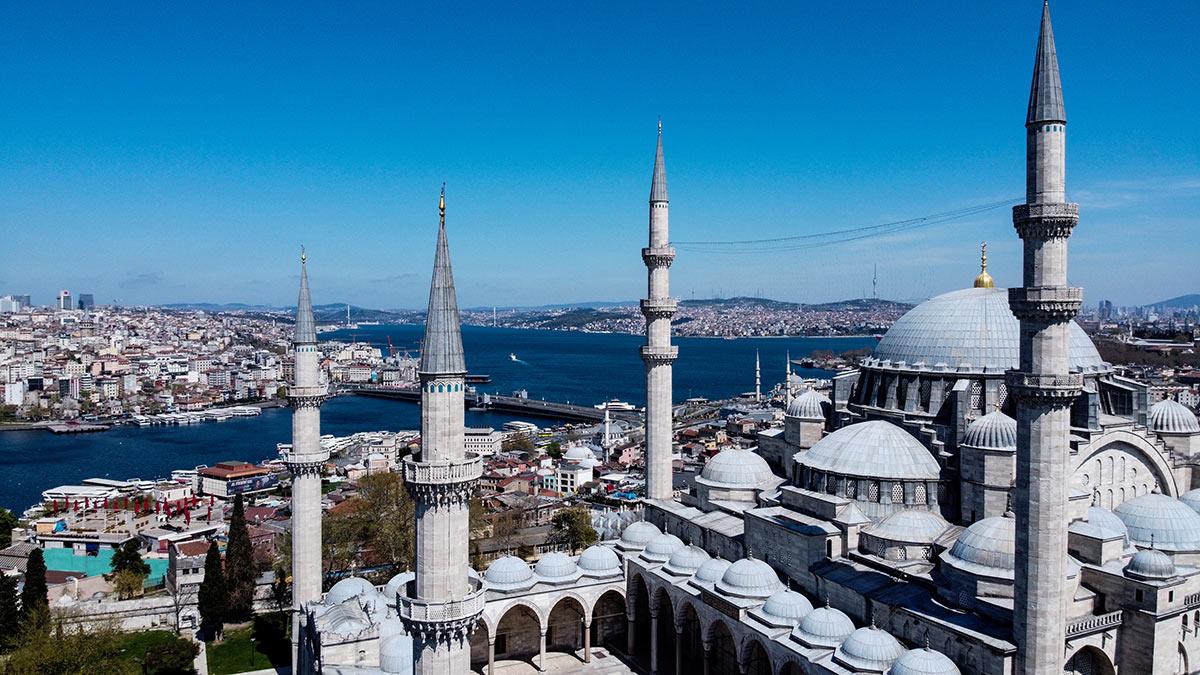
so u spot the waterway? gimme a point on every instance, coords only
(583, 368)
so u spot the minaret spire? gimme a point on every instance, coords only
(757, 377)
(442, 352)
(787, 379)
(1045, 93)
(306, 329)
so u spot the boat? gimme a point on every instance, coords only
(513, 356)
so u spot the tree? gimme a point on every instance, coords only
(128, 583)
(171, 658)
(10, 615)
(7, 522)
(572, 528)
(72, 649)
(240, 571)
(212, 598)
(35, 605)
(517, 443)
(129, 559)
(554, 450)
(280, 591)
(389, 515)
(477, 516)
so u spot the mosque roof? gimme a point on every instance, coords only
(1150, 564)
(1045, 94)
(661, 546)
(868, 649)
(637, 534)
(987, 547)
(737, 468)
(712, 570)
(969, 330)
(396, 654)
(508, 573)
(749, 578)
(1172, 417)
(924, 661)
(1160, 521)
(994, 430)
(910, 526)
(599, 560)
(555, 565)
(686, 560)
(1102, 524)
(808, 405)
(350, 587)
(875, 449)
(788, 605)
(824, 627)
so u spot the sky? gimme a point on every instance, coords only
(166, 152)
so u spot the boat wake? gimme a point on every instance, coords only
(514, 359)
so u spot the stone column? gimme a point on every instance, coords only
(707, 662)
(653, 642)
(630, 633)
(678, 650)
(587, 642)
(542, 652)
(491, 656)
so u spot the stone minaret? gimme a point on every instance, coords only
(305, 460)
(787, 379)
(1043, 385)
(658, 354)
(440, 606)
(757, 377)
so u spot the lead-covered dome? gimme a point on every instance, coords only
(986, 548)
(824, 627)
(1102, 524)
(686, 560)
(749, 578)
(910, 526)
(736, 468)
(1169, 416)
(1160, 521)
(993, 431)
(1150, 564)
(508, 573)
(661, 546)
(350, 587)
(1192, 499)
(555, 565)
(968, 331)
(599, 560)
(810, 405)
(873, 449)
(868, 649)
(396, 654)
(712, 571)
(787, 605)
(924, 662)
(637, 534)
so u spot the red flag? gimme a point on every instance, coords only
(106, 503)
(187, 517)
(212, 501)
(208, 516)
(87, 504)
(157, 506)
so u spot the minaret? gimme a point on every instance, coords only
(1043, 385)
(787, 379)
(757, 378)
(440, 606)
(306, 462)
(607, 429)
(658, 354)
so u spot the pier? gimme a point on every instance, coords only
(510, 404)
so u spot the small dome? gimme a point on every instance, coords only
(554, 565)
(736, 468)
(1192, 499)
(874, 449)
(508, 572)
(924, 662)
(994, 430)
(350, 587)
(599, 559)
(712, 571)
(396, 654)
(1169, 416)
(578, 452)
(749, 578)
(987, 547)
(824, 627)
(910, 526)
(1166, 523)
(1150, 564)
(870, 649)
(1103, 524)
(808, 406)
(788, 605)
(687, 560)
(395, 585)
(661, 546)
(638, 533)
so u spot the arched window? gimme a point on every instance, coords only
(851, 489)
(919, 494)
(830, 484)
(873, 491)
(897, 493)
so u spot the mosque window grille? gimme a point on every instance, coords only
(926, 390)
(901, 553)
(897, 493)
(851, 489)
(1003, 395)
(927, 552)
(902, 392)
(976, 395)
(873, 492)
(919, 495)
(830, 484)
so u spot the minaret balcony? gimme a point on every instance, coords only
(1045, 221)
(659, 308)
(1053, 390)
(1045, 304)
(440, 618)
(444, 472)
(658, 256)
(659, 355)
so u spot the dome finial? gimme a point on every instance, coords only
(442, 205)
(984, 280)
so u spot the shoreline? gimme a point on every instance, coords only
(45, 425)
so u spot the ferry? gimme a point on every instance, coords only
(616, 404)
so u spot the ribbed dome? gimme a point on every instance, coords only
(969, 330)
(350, 587)
(686, 560)
(824, 627)
(508, 572)
(788, 605)
(1104, 524)
(749, 578)
(736, 468)
(869, 649)
(637, 534)
(712, 571)
(1172, 417)
(987, 547)
(599, 559)
(1150, 564)
(924, 662)
(661, 546)
(910, 526)
(554, 565)
(1156, 519)
(396, 654)
(994, 430)
(874, 449)
(1192, 499)
(809, 405)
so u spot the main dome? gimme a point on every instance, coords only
(873, 449)
(970, 330)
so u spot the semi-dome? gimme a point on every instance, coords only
(712, 571)
(749, 578)
(395, 584)
(507, 573)
(1160, 521)
(1169, 416)
(787, 605)
(736, 468)
(969, 330)
(350, 587)
(1150, 564)
(686, 560)
(637, 534)
(599, 560)
(396, 654)
(924, 662)
(554, 565)
(994, 431)
(987, 547)
(809, 405)
(1103, 524)
(910, 526)
(869, 649)
(873, 449)
(824, 627)
(661, 546)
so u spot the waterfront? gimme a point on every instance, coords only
(561, 366)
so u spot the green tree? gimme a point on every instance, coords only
(128, 583)
(7, 522)
(70, 650)
(10, 615)
(240, 570)
(572, 528)
(477, 515)
(389, 515)
(213, 596)
(517, 443)
(554, 449)
(280, 591)
(129, 558)
(171, 658)
(35, 605)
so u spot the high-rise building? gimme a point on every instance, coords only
(10, 304)
(86, 301)
(24, 300)
(64, 299)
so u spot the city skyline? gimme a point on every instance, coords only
(163, 157)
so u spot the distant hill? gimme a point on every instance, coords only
(1181, 302)
(857, 305)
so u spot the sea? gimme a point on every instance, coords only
(580, 368)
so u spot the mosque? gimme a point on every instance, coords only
(984, 494)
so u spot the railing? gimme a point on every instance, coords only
(456, 471)
(1192, 600)
(1046, 210)
(1093, 624)
(422, 611)
(1035, 381)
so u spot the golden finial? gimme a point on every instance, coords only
(442, 205)
(303, 255)
(984, 280)
(660, 125)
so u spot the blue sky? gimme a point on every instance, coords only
(157, 152)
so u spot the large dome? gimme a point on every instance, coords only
(1161, 521)
(971, 330)
(988, 547)
(736, 468)
(873, 449)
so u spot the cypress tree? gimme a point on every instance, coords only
(213, 596)
(240, 573)
(35, 606)
(10, 616)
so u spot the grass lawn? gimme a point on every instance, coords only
(235, 653)
(133, 646)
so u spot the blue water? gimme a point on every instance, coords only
(582, 368)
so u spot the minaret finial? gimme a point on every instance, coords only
(442, 206)
(984, 280)
(303, 255)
